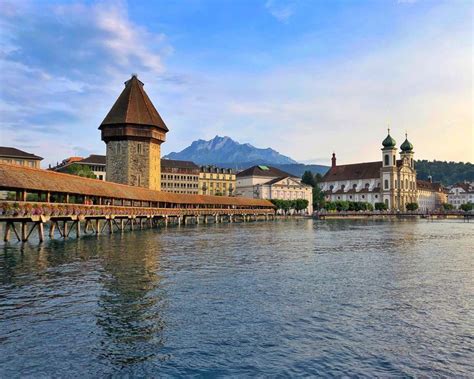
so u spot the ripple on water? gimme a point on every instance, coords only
(294, 298)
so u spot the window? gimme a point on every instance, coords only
(139, 148)
(331, 188)
(386, 182)
(394, 159)
(343, 186)
(354, 186)
(386, 160)
(406, 183)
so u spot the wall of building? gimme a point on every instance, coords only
(134, 163)
(21, 162)
(217, 183)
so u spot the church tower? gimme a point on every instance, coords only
(388, 174)
(407, 174)
(133, 132)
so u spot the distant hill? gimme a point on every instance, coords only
(298, 169)
(445, 172)
(226, 152)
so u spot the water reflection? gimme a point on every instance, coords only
(131, 302)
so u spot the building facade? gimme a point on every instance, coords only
(216, 181)
(19, 157)
(391, 181)
(265, 182)
(461, 193)
(133, 132)
(431, 196)
(96, 163)
(179, 176)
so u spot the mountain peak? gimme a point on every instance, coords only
(226, 151)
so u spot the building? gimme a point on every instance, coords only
(216, 181)
(391, 180)
(461, 193)
(95, 162)
(19, 157)
(265, 182)
(179, 176)
(431, 196)
(133, 132)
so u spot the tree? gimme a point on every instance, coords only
(301, 204)
(467, 207)
(308, 178)
(380, 206)
(80, 170)
(411, 207)
(448, 207)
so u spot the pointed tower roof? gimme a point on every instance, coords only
(407, 145)
(389, 142)
(133, 106)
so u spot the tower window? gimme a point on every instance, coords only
(386, 160)
(139, 148)
(386, 181)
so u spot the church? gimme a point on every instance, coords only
(391, 181)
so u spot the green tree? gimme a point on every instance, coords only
(467, 207)
(448, 207)
(380, 206)
(301, 204)
(80, 170)
(308, 178)
(411, 207)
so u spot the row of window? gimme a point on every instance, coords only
(20, 162)
(179, 185)
(188, 178)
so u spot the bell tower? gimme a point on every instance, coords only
(133, 132)
(388, 172)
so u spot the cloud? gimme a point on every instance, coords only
(62, 67)
(281, 10)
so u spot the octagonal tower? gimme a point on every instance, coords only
(133, 132)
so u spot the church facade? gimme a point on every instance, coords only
(391, 181)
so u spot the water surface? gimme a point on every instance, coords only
(333, 298)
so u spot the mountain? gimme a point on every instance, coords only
(225, 152)
(299, 168)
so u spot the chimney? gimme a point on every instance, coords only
(333, 160)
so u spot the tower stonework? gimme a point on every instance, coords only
(133, 132)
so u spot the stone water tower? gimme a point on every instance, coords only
(133, 131)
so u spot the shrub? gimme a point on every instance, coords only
(411, 207)
(381, 206)
(467, 207)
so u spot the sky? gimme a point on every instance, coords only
(305, 77)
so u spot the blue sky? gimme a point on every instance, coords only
(304, 77)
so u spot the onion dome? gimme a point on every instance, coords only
(406, 146)
(389, 141)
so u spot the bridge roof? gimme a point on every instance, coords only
(14, 177)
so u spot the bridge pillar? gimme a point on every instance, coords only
(41, 231)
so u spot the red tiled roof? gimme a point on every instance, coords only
(355, 171)
(133, 106)
(19, 177)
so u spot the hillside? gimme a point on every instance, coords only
(445, 172)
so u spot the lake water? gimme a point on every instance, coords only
(289, 298)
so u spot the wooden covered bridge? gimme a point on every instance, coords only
(72, 205)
